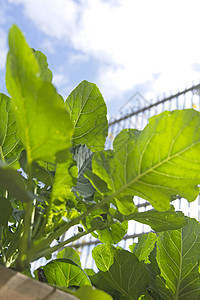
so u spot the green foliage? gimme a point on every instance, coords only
(10, 144)
(67, 180)
(36, 104)
(65, 273)
(155, 173)
(88, 114)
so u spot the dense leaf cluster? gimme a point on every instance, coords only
(55, 175)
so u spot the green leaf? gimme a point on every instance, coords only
(89, 292)
(158, 163)
(5, 211)
(71, 254)
(113, 234)
(43, 123)
(123, 271)
(10, 144)
(178, 257)
(88, 112)
(145, 246)
(65, 273)
(12, 181)
(160, 221)
(63, 200)
(101, 283)
(65, 179)
(104, 256)
(45, 72)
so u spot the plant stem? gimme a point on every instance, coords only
(77, 236)
(15, 241)
(44, 243)
(1, 248)
(26, 239)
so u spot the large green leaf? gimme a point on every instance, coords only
(158, 163)
(178, 259)
(123, 271)
(101, 283)
(88, 112)
(45, 72)
(43, 122)
(65, 273)
(10, 144)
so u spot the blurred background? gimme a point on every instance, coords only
(124, 46)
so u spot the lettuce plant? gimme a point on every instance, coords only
(55, 175)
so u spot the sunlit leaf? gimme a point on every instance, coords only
(123, 271)
(158, 163)
(43, 123)
(45, 72)
(65, 273)
(10, 144)
(178, 259)
(88, 112)
(160, 221)
(145, 246)
(71, 254)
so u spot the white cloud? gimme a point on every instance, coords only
(3, 49)
(48, 46)
(131, 39)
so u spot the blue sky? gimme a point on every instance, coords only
(123, 46)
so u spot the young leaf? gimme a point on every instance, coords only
(65, 179)
(178, 258)
(160, 221)
(10, 144)
(71, 254)
(113, 234)
(104, 256)
(158, 163)
(5, 211)
(43, 123)
(89, 292)
(88, 112)
(65, 273)
(124, 272)
(145, 246)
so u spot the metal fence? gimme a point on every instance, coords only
(136, 116)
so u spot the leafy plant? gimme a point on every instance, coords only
(55, 175)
